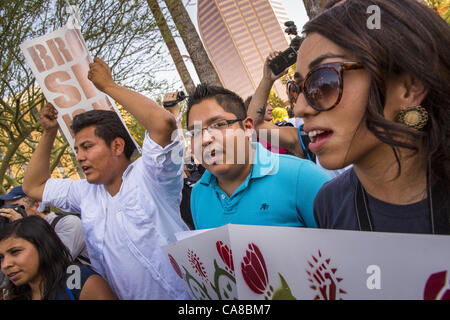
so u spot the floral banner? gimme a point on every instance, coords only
(279, 263)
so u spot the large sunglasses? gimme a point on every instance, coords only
(322, 86)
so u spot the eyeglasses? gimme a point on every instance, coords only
(323, 86)
(212, 128)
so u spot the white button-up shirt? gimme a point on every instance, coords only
(124, 233)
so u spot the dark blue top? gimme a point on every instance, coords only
(334, 208)
(69, 290)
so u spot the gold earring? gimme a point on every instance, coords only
(414, 117)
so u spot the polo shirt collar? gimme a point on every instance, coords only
(265, 162)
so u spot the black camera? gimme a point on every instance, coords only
(16, 207)
(284, 124)
(288, 57)
(171, 99)
(192, 167)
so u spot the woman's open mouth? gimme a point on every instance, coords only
(13, 275)
(318, 139)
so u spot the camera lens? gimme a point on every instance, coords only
(190, 167)
(181, 96)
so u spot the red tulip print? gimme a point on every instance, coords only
(175, 266)
(225, 254)
(254, 270)
(437, 286)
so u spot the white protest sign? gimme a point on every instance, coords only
(283, 263)
(60, 62)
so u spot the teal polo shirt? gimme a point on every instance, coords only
(279, 191)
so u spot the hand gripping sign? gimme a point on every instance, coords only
(60, 62)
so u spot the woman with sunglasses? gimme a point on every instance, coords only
(292, 140)
(378, 98)
(38, 265)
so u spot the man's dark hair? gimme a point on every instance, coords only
(228, 100)
(108, 126)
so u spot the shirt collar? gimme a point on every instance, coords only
(127, 170)
(265, 162)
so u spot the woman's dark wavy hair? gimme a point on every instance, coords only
(412, 39)
(108, 126)
(54, 257)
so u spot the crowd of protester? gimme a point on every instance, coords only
(368, 150)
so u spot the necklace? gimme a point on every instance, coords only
(364, 216)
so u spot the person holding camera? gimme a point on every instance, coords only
(12, 208)
(129, 209)
(293, 139)
(17, 205)
(39, 266)
(288, 136)
(171, 102)
(192, 171)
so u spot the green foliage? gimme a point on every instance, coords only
(275, 101)
(123, 33)
(442, 7)
(183, 109)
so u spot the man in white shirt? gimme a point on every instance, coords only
(129, 210)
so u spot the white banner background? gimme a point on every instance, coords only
(313, 263)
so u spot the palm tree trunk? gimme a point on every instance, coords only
(203, 66)
(171, 45)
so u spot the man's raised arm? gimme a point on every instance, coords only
(257, 107)
(156, 120)
(38, 169)
(288, 135)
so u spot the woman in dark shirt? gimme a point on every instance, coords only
(38, 265)
(373, 87)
